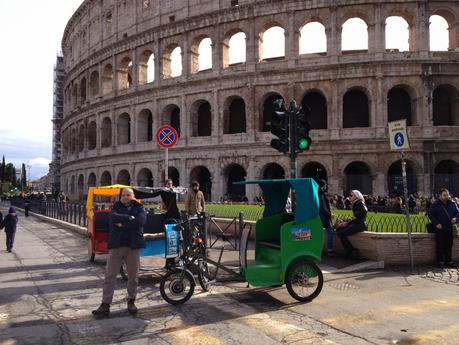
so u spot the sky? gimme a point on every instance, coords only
(30, 38)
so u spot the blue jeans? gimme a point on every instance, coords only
(330, 234)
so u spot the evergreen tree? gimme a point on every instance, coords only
(23, 177)
(2, 169)
(10, 173)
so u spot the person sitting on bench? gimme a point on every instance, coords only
(357, 224)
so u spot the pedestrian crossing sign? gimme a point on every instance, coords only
(398, 136)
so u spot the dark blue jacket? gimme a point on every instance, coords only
(437, 214)
(131, 228)
(9, 223)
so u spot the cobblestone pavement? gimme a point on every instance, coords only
(440, 275)
(48, 289)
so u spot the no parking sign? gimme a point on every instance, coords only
(166, 136)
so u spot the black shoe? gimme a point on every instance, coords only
(102, 311)
(132, 309)
(8, 250)
(451, 264)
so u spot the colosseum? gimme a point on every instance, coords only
(122, 82)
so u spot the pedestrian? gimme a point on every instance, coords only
(325, 215)
(9, 223)
(194, 202)
(443, 214)
(169, 208)
(125, 239)
(355, 225)
(26, 207)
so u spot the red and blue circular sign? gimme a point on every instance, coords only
(166, 136)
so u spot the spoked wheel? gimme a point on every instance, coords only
(177, 286)
(304, 280)
(123, 271)
(91, 254)
(203, 280)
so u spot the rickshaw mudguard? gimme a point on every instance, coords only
(299, 240)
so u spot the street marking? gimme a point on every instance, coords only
(194, 336)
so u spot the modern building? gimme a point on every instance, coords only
(131, 66)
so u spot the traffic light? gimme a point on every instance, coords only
(280, 127)
(303, 140)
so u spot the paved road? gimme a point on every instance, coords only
(47, 290)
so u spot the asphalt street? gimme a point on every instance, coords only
(48, 289)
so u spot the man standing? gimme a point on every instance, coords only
(124, 242)
(325, 215)
(194, 203)
(443, 214)
(9, 223)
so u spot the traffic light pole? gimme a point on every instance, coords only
(293, 154)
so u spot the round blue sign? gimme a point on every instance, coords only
(399, 139)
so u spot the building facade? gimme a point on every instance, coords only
(121, 83)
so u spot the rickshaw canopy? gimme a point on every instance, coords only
(276, 192)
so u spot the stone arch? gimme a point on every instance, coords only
(315, 171)
(105, 179)
(234, 42)
(234, 115)
(173, 174)
(272, 171)
(447, 31)
(201, 54)
(74, 141)
(354, 35)
(235, 173)
(80, 187)
(201, 118)
(107, 79)
(94, 84)
(446, 175)
(124, 177)
(357, 175)
(395, 179)
(146, 67)
(317, 103)
(267, 109)
(172, 61)
(445, 106)
(399, 104)
(92, 135)
(145, 125)
(83, 91)
(318, 44)
(75, 100)
(145, 178)
(92, 180)
(356, 108)
(204, 177)
(398, 26)
(81, 136)
(171, 116)
(106, 132)
(125, 73)
(124, 129)
(272, 32)
(72, 185)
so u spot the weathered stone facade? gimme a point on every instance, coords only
(111, 111)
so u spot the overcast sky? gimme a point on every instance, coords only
(30, 38)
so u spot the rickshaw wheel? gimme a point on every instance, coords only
(203, 280)
(123, 271)
(304, 280)
(177, 286)
(91, 254)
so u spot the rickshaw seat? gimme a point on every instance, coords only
(101, 223)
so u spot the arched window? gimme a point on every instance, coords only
(125, 74)
(92, 180)
(94, 84)
(92, 135)
(107, 79)
(355, 109)
(315, 171)
(354, 35)
(81, 136)
(124, 129)
(75, 100)
(201, 54)
(72, 185)
(397, 34)
(447, 176)
(313, 38)
(145, 126)
(202, 175)
(201, 119)
(146, 67)
(445, 106)
(272, 43)
(358, 177)
(80, 187)
(273, 171)
(234, 49)
(145, 178)
(124, 178)
(106, 179)
(235, 117)
(83, 90)
(235, 173)
(439, 33)
(172, 174)
(268, 108)
(399, 105)
(106, 132)
(395, 179)
(317, 103)
(171, 116)
(172, 62)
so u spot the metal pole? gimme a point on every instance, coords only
(407, 211)
(293, 112)
(166, 173)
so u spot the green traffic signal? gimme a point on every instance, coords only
(304, 143)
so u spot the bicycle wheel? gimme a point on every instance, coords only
(203, 280)
(177, 286)
(304, 280)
